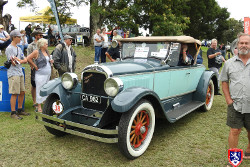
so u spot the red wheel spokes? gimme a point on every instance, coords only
(209, 95)
(139, 129)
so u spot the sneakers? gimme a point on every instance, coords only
(21, 112)
(15, 116)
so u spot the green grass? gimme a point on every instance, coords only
(197, 140)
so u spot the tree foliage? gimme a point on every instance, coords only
(202, 19)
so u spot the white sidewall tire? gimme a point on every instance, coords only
(150, 110)
(209, 106)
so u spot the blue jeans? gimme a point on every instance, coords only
(23, 47)
(103, 56)
(97, 53)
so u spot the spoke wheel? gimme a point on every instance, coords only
(209, 96)
(136, 128)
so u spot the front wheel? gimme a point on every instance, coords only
(209, 96)
(47, 109)
(136, 128)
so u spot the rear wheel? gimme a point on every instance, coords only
(136, 128)
(209, 96)
(47, 109)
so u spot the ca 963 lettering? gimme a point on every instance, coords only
(90, 98)
(119, 102)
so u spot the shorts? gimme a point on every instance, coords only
(237, 120)
(16, 84)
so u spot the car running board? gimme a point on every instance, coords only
(181, 111)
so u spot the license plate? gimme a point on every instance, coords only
(90, 98)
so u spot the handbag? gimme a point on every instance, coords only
(54, 73)
(7, 64)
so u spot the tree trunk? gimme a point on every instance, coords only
(94, 19)
(2, 3)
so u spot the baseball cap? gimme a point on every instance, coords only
(15, 33)
(1, 26)
(68, 37)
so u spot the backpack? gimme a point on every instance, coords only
(63, 46)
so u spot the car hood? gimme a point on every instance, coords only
(134, 66)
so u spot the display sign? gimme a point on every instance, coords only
(79, 38)
(141, 52)
(247, 25)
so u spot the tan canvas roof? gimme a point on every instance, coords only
(181, 39)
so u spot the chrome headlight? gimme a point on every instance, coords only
(113, 86)
(69, 80)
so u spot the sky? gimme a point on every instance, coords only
(238, 9)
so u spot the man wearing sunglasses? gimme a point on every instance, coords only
(4, 39)
(64, 56)
(38, 34)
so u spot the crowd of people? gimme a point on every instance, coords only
(63, 59)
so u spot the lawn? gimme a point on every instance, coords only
(197, 140)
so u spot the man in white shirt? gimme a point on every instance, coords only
(64, 56)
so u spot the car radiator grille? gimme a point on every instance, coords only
(93, 84)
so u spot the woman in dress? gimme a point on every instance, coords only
(42, 64)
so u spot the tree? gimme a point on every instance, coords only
(207, 18)
(234, 27)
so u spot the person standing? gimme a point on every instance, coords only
(104, 45)
(42, 66)
(50, 36)
(115, 35)
(31, 47)
(64, 56)
(4, 39)
(23, 44)
(215, 59)
(10, 27)
(98, 39)
(28, 33)
(236, 88)
(15, 75)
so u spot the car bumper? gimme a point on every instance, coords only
(62, 125)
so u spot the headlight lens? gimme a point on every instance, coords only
(69, 80)
(113, 86)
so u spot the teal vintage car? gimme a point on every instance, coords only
(118, 102)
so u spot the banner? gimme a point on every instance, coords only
(54, 10)
(247, 25)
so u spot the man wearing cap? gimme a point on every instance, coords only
(64, 56)
(4, 39)
(15, 75)
(32, 46)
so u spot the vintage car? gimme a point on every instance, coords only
(118, 102)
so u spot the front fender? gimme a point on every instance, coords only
(68, 98)
(49, 87)
(201, 91)
(125, 100)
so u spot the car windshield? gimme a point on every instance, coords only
(145, 49)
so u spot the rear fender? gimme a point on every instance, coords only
(125, 100)
(201, 91)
